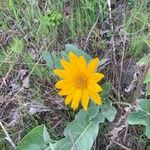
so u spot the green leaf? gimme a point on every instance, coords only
(148, 43)
(141, 116)
(17, 45)
(82, 130)
(48, 58)
(52, 60)
(78, 52)
(64, 144)
(45, 20)
(103, 61)
(108, 111)
(148, 89)
(147, 147)
(51, 19)
(106, 87)
(91, 112)
(99, 117)
(144, 61)
(147, 79)
(46, 136)
(37, 139)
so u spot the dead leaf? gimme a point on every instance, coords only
(25, 82)
(13, 87)
(23, 73)
(15, 118)
(34, 108)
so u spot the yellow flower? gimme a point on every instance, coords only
(79, 81)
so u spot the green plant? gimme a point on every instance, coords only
(51, 19)
(136, 24)
(141, 115)
(11, 4)
(16, 46)
(83, 129)
(43, 27)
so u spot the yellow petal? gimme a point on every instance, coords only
(68, 99)
(64, 73)
(94, 87)
(61, 73)
(81, 64)
(63, 83)
(85, 98)
(95, 77)
(65, 64)
(76, 99)
(59, 84)
(96, 98)
(93, 65)
(73, 58)
(66, 90)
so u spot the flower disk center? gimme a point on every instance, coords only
(81, 81)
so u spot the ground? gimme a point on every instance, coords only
(30, 28)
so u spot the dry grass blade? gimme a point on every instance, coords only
(122, 146)
(87, 39)
(7, 135)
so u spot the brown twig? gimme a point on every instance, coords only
(112, 29)
(121, 64)
(115, 65)
(122, 146)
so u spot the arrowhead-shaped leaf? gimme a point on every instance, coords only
(36, 139)
(108, 111)
(78, 52)
(81, 133)
(52, 60)
(143, 61)
(141, 116)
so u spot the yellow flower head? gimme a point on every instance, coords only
(79, 81)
